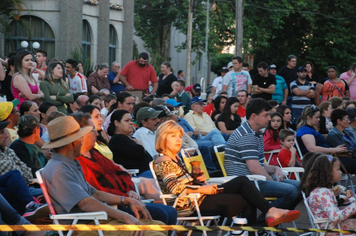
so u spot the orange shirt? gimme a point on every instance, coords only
(329, 90)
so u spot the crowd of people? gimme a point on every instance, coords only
(85, 132)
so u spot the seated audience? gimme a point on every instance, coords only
(219, 104)
(350, 104)
(274, 104)
(228, 120)
(25, 147)
(352, 117)
(10, 113)
(30, 108)
(286, 113)
(238, 196)
(325, 123)
(68, 189)
(243, 97)
(45, 108)
(288, 156)
(336, 103)
(94, 100)
(104, 175)
(270, 137)
(109, 100)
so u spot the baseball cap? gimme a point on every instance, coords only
(196, 99)
(273, 66)
(197, 87)
(6, 108)
(173, 102)
(146, 112)
(224, 69)
(230, 65)
(301, 68)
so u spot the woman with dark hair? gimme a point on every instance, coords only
(98, 80)
(286, 113)
(24, 85)
(312, 77)
(325, 112)
(219, 105)
(95, 100)
(228, 120)
(106, 176)
(270, 136)
(25, 147)
(165, 79)
(127, 150)
(55, 88)
(333, 86)
(308, 138)
(45, 108)
(30, 108)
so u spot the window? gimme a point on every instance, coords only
(86, 42)
(112, 44)
(33, 29)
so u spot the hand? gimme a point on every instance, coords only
(22, 95)
(68, 94)
(340, 148)
(41, 94)
(201, 177)
(129, 87)
(278, 174)
(208, 189)
(284, 102)
(139, 209)
(196, 133)
(47, 153)
(190, 134)
(134, 195)
(53, 97)
(292, 149)
(130, 220)
(353, 74)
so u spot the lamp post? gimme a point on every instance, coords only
(35, 45)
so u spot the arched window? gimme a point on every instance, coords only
(32, 29)
(86, 41)
(112, 44)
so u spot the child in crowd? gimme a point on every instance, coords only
(270, 137)
(288, 156)
(109, 100)
(183, 96)
(324, 173)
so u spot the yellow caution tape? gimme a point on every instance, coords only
(106, 227)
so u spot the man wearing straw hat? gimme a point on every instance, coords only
(70, 192)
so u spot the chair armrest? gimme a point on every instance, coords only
(293, 169)
(35, 181)
(322, 220)
(135, 180)
(133, 171)
(219, 180)
(168, 196)
(256, 177)
(273, 151)
(100, 215)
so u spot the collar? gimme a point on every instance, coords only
(64, 159)
(250, 130)
(148, 131)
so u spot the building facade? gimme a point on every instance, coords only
(100, 31)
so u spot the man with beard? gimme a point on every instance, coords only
(148, 119)
(302, 93)
(137, 74)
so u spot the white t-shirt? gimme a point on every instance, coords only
(236, 81)
(217, 83)
(78, 83)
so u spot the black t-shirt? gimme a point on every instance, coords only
(230, 124)
(314, 77)
(264, 82)
(164, 85)
(216, 112)
(288, 75)
(5, 88)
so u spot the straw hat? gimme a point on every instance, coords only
(64, 130)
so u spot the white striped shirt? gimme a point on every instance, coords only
(243, 144)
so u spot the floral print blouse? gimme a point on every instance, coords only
(323, 204)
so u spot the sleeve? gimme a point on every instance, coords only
(215, 83)
(254, 80)
(328, 204)
(66, 99)
(65, 189)
(284, 157)
(188, 142)
(22, 152)
(249, 80)
(82, 85)
(333, 140)
(226, 79)
(125, 70)
(25, 171)
(312, 87)
(189, 118)
(273, 79)
(91, 82)
(293, 85)
(347, 88)
(153, 77)
(111, 77)
(268, 141)
(47, 95)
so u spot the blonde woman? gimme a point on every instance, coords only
(235, 197)
(24, 86)
(55, 88)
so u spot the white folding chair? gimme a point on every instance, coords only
(315, 223)
(95, 216)
(193, 197)
(276, 151)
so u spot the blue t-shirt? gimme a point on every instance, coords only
(115, 87)
(280, 87)
(319, 138)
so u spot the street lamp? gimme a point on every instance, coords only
(35, 45)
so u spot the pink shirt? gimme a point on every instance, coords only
(34, 89)
(352, 87)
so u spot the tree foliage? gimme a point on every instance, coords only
(9, 9)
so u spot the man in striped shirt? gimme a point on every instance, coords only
(244, 155)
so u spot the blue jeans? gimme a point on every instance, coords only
(35, 191)
(213, 136)
(163, 213)
(296, 114)
(15, 190)
(286, 192)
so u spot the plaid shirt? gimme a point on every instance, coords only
(9, 161)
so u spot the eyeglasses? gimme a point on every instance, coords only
(313, 109)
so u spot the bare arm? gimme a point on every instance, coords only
(224, 88)
(155, 87)
(269, 90)
(2, 72)
(124, 81)
(213, 89)
(318, 90)
(21, 84)
(94, 90)
(352, 77)
(311, 94)
(256, 169)
(284, 102)
(310, 145)
(249, 88)
(300, 92)
(223, 129)
(256, 89)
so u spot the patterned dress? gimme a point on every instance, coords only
(173, 178)
(323, 204)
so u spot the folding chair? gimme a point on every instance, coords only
(187, 159)
(95, 216)
(276, 151)
(193, 197)
(315, 223)
(220, 155)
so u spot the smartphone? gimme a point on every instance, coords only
(220, 190)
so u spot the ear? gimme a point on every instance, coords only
(116, 123)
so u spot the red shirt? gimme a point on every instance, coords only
(139, 77)
(269, 145)
(188, 88)
(209, 109)
(241, 112)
